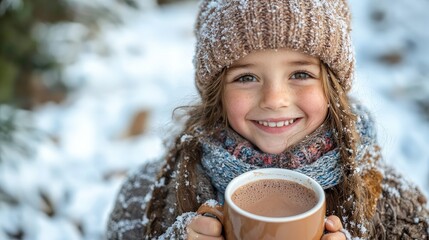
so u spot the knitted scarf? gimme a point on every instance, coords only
(227, 155)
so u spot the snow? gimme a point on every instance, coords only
(80, 155)
(211, 203)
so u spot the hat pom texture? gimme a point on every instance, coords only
(227, 30)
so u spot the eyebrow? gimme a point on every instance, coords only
(304, 62)
(238, 66)
(293, 63)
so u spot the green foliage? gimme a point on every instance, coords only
(8, 72)
(24, 59)
(8, 128)
(20, 53)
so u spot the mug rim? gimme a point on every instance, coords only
(275, 173)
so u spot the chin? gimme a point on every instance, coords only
(273, 150)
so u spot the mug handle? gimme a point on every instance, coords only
(215, 210)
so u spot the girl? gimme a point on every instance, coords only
(273, 78)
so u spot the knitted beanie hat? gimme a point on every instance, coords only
(227, 30)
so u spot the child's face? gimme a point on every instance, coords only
(275, 98)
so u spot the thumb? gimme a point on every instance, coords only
(333, 224)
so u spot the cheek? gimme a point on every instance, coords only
(236, 107)
(314, 102)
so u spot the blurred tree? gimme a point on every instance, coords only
(21, 59)
(25, 65)
(24, 59)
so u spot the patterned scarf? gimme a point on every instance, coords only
(227, 155)
(308, 151)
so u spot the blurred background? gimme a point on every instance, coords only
(87, 89)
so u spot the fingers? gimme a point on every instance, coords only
(333, 224)
(334, 236)
(204, 228)
(192, 235)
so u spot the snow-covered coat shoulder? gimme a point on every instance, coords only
(402, 210)
(128, 219)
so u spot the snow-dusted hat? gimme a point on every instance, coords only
(227, 30)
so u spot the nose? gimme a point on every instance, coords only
(275, 96)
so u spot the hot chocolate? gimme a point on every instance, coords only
(274, 198)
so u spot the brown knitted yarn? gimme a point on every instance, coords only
(227, 30)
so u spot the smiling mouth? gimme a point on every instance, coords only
(277, 124)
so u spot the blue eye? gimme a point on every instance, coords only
(301, 75)
(246, 78)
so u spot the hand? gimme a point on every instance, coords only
(333, 226)
(204, 228)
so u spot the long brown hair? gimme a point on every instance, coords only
(349, 199)
(185, 155)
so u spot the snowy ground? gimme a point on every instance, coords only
(80, 160)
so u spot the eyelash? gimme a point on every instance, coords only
(240, 78)
(309, 75)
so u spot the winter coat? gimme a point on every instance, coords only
(401, 208)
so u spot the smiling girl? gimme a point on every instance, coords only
(273, 77)
(275, 98)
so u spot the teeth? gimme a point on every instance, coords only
(276, 124)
